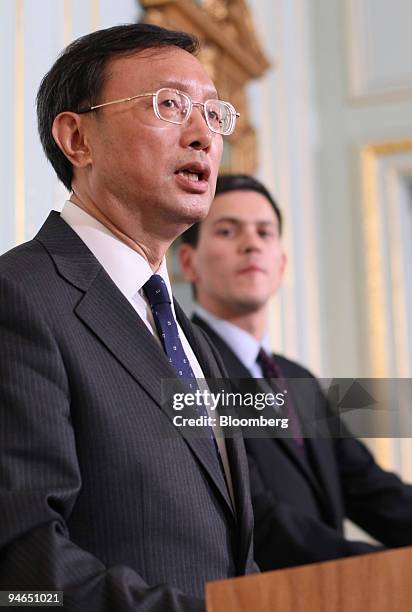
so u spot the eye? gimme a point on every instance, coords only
(169, 103)
(214, 117)
(226, 232)
(267, 232)
(172, 105)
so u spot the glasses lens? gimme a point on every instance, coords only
(220, 116)
(172, 105)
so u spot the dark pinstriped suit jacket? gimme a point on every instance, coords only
(100, 495)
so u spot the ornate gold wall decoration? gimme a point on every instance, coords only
(381, 175)
(377, 291)
(231, 54)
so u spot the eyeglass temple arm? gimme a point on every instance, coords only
(92, 108)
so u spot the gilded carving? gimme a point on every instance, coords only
(217, 8)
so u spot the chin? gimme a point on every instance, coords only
(249, 305)
(196, 212)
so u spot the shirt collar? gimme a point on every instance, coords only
(244, 345)
(128, 269)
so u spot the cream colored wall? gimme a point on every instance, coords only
(284, 114)
(364, 105)
(32, 33)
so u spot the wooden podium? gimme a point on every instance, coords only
(377, 582)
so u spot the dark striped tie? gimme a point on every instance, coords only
(271, 370)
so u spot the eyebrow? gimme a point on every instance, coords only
(209, 93)
(236, 221)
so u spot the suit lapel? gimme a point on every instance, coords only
(319, 470)
(237, 457)
(238, 463)
(109, 315)
(210, 371)
(295, 454)
(105, 311)
(235, 448)
(288, 445)
(241, 488)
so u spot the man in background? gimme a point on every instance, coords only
(302, 489)
(100, 495)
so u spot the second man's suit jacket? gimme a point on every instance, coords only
(299, 505)
(100, 495)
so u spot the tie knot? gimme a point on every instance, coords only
(156, 291)
(270, 368)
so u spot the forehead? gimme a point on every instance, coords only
(243, 206)
(148, 70)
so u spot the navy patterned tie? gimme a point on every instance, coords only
(161, 305)
(270, 370)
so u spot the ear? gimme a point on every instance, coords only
(283, 263)
(187, 259)
(69, 133)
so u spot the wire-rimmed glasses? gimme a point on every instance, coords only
(174, 106)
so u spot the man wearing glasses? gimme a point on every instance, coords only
(101, 496)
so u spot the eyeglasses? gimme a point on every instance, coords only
(176, 107)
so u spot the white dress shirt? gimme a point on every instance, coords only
(130, 271)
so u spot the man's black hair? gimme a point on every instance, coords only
(77, 77)
(234, 182)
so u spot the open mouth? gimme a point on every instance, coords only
(194, 172)
(192, 176)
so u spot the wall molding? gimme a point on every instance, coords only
(381, 173)
(366, 84)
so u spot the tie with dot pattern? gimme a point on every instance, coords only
(160, 303)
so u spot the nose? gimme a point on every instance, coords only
(249, 241)
(196, 133)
